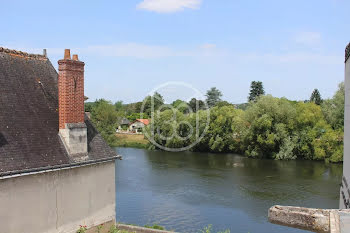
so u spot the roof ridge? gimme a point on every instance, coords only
(21, 53)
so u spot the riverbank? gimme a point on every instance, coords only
(131, 140)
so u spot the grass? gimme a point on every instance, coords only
(131, 140)
(155, 226)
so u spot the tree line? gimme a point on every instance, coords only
(264, 127)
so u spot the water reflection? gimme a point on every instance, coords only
(186, 191)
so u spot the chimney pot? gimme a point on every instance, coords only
(44, 52)
(75, 57)
(67, 54)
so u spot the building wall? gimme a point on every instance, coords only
(58, 201)
(345, 189)
(136, 125)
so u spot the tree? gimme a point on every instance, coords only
(333, 109)
(181, 105)
(118, 105)
(316, 97)
(196, 105)
(256, 90)
(156, 100)
(271, 122)
(104, 116)
(223, 103)
(89, 106)
(213, 96)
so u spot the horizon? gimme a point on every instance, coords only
(131, 47)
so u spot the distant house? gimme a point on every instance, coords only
(124, 124)
(56, 171)
(138, 125)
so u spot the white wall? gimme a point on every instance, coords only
(58, 201)
(346, 159)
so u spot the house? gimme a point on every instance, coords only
(138, 125)
(124, 124)
(56, 171)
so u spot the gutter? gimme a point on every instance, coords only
(31, 171)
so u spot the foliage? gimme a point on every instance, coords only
(267, 127)
(182, 106)
(155, 226)
(89, 106)
(136, 115)
(208, 229)
(196, 105)
(270, 122)
(82, 229)
(333, 109)
(271, 127)
(213, 96)
(114, 229)
(223, 103)
(152, 103)
(256, 90)
(316, 97)
(99, 228)
(169, 129)
(119, 105)
(104, 116)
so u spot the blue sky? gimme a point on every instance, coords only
(132, 46)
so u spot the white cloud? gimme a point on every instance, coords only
(308, 38)
(168, 6)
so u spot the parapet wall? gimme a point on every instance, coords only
(58, 201)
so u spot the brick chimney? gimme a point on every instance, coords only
(72, 128)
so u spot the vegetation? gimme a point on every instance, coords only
(208, 229)
(131, 140)
(155, 226)
(266, 127)
(256, 90)
(316, 97)
(213, 96)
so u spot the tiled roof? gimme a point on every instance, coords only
(29, 116)
(124, 121)
(144, 121)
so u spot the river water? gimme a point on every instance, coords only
(187, 191)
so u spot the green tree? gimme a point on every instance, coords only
(89, 106)
(136, 115)
(333, 109)
(213, 96)
(270, 125)
(104, 116)
(316, 97)
(156, 100)
(181, 105)
(196, 105)
(256, 90)
(119, 105)
(168, 129)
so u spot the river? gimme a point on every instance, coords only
(186, 191)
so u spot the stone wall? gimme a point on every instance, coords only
(58, 201)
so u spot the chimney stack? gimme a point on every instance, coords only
(72, 128)
(66, 54)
